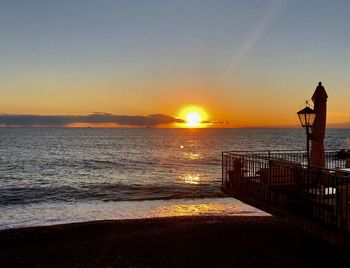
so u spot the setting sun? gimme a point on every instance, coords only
(194, 116)
(193, 119)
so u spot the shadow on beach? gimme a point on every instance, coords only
(168, 242)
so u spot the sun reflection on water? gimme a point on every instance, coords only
(188, 209)
(190, 179)
(193, 155)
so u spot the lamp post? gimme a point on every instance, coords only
(307, 117)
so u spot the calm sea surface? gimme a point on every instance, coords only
(57, 175)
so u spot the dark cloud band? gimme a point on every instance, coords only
(95, 118)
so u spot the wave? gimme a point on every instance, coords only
(106, 192)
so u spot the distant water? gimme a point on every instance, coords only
(86, 174)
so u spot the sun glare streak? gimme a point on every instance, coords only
(252, 38)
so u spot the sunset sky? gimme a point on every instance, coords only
(251, 63)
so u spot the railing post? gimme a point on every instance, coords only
(308, 146)
(222, 169)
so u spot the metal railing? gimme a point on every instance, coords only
(282, 179)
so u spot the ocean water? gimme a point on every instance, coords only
(57, 175)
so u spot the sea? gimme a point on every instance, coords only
(61, 175)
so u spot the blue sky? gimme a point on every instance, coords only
(234, 58)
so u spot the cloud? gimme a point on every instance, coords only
(95, 118)
(214, 122)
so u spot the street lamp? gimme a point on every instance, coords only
(307, 117)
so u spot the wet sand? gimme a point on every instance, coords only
(168, 242)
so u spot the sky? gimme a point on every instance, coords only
(246, 63)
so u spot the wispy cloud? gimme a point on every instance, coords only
(214, 122)
(95, 118)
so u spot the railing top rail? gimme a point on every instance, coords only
(252, 151)
(281, 151)
(269, 155)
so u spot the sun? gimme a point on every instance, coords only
(194, 117)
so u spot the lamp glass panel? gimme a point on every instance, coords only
(312, 119)
(302, 118)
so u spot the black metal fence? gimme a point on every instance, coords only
(282, 180)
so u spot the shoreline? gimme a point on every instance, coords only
(195, 241)
(44, 214)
